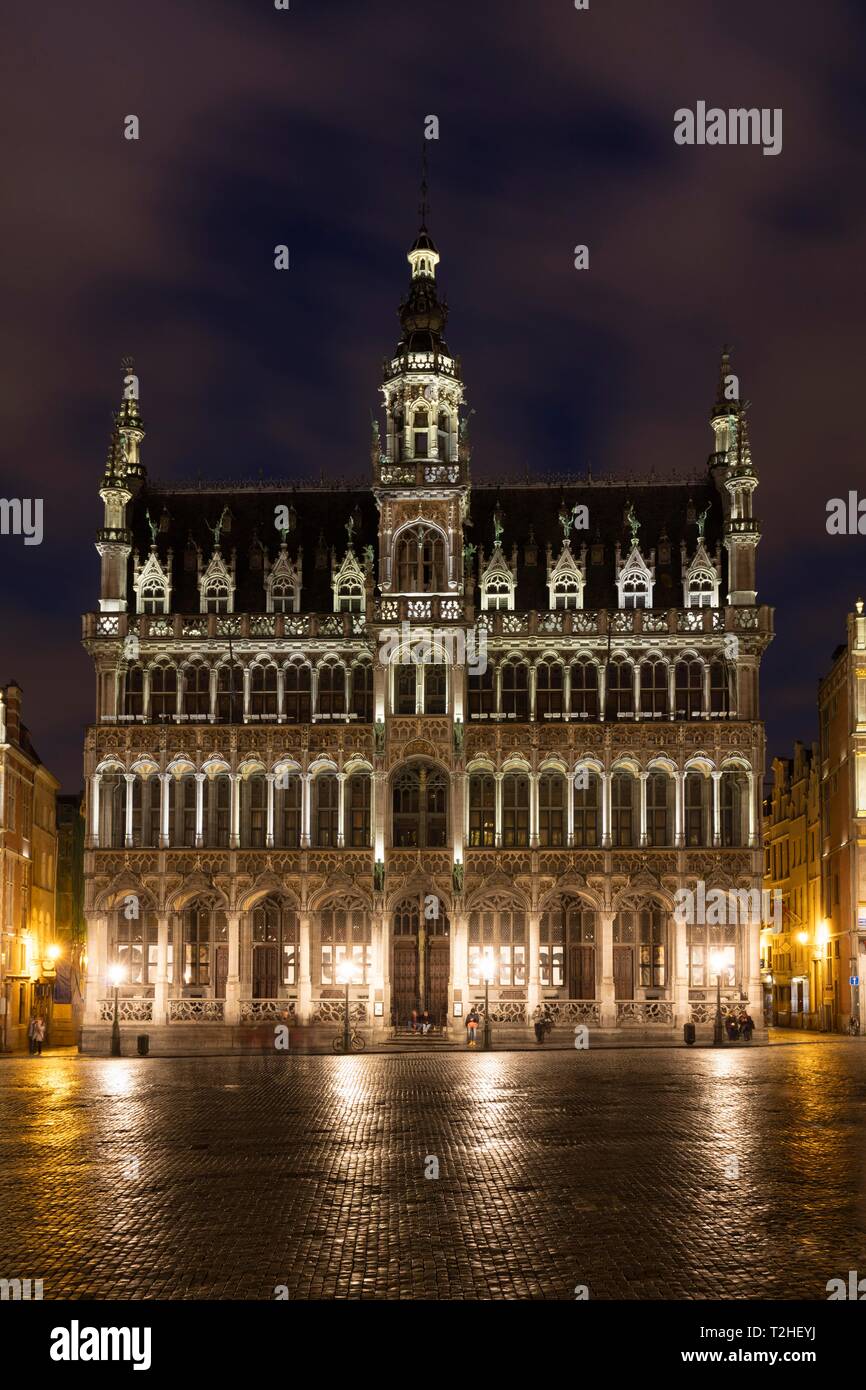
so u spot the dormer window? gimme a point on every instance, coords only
(700, 592)
(566, 592)
(635, 592)
(497, 595)
(153, 597)
(350, 599)
(216, 598)
(283, 597)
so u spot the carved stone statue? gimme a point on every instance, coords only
(379, 876)
(457, 877)
(458, 738)
(632, 523)
(216, 530)
(153, 527)
(379, 734)
(469, 551)
(702, 521)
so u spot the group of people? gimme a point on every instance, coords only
(740, 1025)
(420, 1023)
(36, 1034)
(543, 1022)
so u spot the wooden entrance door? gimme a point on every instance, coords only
(581, 972)
(623, 972)
(221, 970)
(438, 966)
(265, 973)
(404, 976)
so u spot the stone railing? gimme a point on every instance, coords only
(333, 1011)
(268, 1010)
(706, 1012)
(196, 1010)
(643, 1011)
(574, 1010)
(505, 1011)
(128, 1010)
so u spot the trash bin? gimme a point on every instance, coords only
(688, 1033)
(143, 1041)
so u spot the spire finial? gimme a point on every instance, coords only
(424, 205)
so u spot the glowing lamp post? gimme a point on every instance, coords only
(718, 964)
(487, 970)
(116, 975)
(345, 973)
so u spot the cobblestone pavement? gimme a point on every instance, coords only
(226, 1177)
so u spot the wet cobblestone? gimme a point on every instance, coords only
(227, 1177)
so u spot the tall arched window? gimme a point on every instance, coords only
(332, 691)
(498, 937)
(296, 685)
(145, 812)
(420, 802)
(720, 689)
(697, 810)
(420, 561)
(587, 810)
(112, 810)
(163, 693)
(217, 811)
(515, 810)
(653, 690)
(230, 694)
(326, 817)
(181, 811)
(404, 678)
(344, 934)
(133, 693)
(275, 937)
(482, 810)
(584, 690)
(205, 948)
(552, 809)
(515, 690)
(358, 830)
(733, 803)
(659, 789)
(482, 693)
(435, 688)
(196, 691)
(263, 691)
(420, 433)
(362, 692)
(548, 690)
(287, 810)
(568, 934)
(153, 596)
(620, 690)
(689, 687)
(444, 440)
(623, 807)
(254, 810)
(639, 939)
(133, 944)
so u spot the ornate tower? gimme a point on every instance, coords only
(731, 463)
(122, 478)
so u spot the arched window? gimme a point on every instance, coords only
(515, 810)
(689, 687)
(654, 690)
(153, 596)
(196, 691)
(733, 803)
(263, 691)
(163, 693)
(296, 684)
(358, 830)
(420, 428)
(620, 690)
(568, 934)
(420, 561)
(639, 950)
(275, 937)
(552, 809)
(548, 690)
(697, 810)
(254, 810)
(230, 694)
(482, 810)
(404, 688)
(217, 811)
(420, 802)
(659, 789)
(720, 690)
(215, 597)
(287, 809)
(515, 690)
(482, 693)
(181, 811)
(326, 817)
(567, 591)
(112, 810)
(587, 809)
(498, 939)
(444, 440)
(133, 693)
(435, 688)
(584, 690)
(283, 596)
(332, 691)
(350, 597)
(635, 590)
(145, 812)
(496, 594)
(362, 692)
(205, 948)
(133, 944)
(704, 944)
(623, 810)
(344, 935)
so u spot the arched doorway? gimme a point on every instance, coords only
(420, 958)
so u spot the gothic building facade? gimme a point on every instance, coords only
(422, 732)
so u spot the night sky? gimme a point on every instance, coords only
(305, 127)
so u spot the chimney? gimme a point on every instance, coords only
(11, 724)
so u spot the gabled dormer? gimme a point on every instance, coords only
(566, 578)
(349, 584)
(152, 583)
(217, 585)
(283, 583)
(635, 578)
(498, 582)
(702, 578)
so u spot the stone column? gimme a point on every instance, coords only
(753, 838)
(341, 809)
(165, 789)
(533, 683)
(679, 808)
(306, 790)
(566, 691)
(605, 778)
(533, 810)
(607, 994)
(569, 784)
(232, 1000)
(672, 690)
(497, 837)
(199, 809)
(247, 679)
(705, 696)
(717, 811)
(95, 784)
(269, 830)
(305, 991)
(533, 994)
(602, 691)
(235, 810)
(160, 986)
(212, 691)
(129, 778)
(642, 836)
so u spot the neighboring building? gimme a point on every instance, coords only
(792, 947)
(71, 928)
(279, 779)
(842, 714)
(28, 866)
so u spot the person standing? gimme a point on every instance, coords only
(472, 1021)
(39, 1033)
(539, 1019)
(31, 1035)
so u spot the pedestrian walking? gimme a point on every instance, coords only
(472, 1021)
(31, 1035)
(39, 1033)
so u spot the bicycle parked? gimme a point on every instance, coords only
(357, 1042)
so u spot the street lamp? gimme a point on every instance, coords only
(345, 973)
(718, 964)
(487, 970)
(116, 974)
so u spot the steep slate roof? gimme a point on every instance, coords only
(323, 512)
